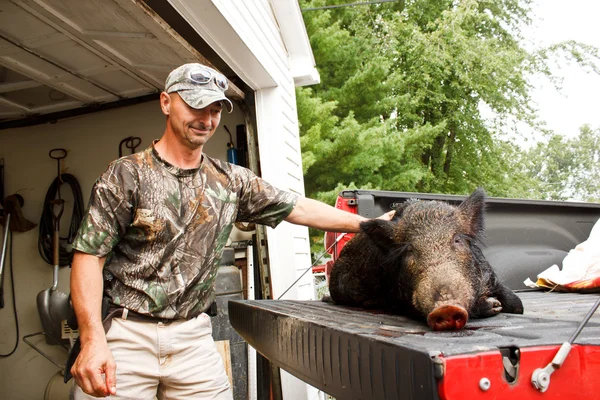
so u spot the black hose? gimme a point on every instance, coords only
(14, 298)
(1, 182)
(47, 224)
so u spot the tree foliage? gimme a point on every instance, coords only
(565, 168)
(403, 89)
(421, 95)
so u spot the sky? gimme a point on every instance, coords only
(556, 21)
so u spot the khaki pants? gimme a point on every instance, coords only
(178, 360)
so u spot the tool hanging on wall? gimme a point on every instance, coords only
(13, 221)
(1, 183)
(11, 208)
(53, 306)
(47, 228)
(130, 142)
(231, 150)
(242, 145)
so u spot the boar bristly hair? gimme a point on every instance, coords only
(379, 231)
(385, 233)
(388, 238)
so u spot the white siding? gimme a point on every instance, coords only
(247, 36)
(281, 164)
(254, 21)
(278, 134)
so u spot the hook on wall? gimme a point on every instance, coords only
(59, 155)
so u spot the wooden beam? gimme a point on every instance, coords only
(162, 30)
(65, 105)
(13, 104)
(56, 65)
(14, 86)
(46, 16)
(46, 79)
(118, 35)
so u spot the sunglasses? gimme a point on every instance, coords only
(204, 76)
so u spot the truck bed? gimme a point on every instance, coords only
(353, 353)
(364, 354)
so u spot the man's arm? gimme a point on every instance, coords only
(95, 357)
(315, 214)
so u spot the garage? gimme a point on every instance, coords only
(84, 76)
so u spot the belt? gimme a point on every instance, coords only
(134, 316)
(127, 314)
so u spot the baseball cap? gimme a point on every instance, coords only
(198, 85)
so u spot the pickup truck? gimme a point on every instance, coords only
(353, 353)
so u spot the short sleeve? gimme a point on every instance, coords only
(261, 202)
(109, 212)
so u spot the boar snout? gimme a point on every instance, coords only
(447, 318)
(440, 286)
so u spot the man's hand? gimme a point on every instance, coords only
(94, 370)
(315, 214)
(387, 216)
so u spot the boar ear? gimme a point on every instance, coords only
(379, 231)
(471, 211)
(399, 208)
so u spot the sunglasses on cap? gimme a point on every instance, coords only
(203, 76)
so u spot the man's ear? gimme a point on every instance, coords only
(165, 103)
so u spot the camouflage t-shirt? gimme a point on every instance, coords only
(163, 228)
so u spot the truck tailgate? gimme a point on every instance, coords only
(364, 354)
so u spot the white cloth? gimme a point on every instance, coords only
(582, 263)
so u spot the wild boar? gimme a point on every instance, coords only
(426, 262)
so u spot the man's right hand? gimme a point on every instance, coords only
(94, 370)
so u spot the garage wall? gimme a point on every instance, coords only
(92, 142)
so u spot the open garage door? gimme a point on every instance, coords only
(58, 55)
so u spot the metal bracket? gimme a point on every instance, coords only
(541, 376)
(49, 358)
(511, 361)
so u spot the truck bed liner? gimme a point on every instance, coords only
(357, 353)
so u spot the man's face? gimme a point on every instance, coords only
(193, 126)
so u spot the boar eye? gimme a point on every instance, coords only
(458, 240)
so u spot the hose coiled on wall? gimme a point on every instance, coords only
(47, 223)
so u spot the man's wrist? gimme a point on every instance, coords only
(92, 335)
(360, 219)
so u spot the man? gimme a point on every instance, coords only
(150, 243)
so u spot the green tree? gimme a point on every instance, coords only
(566, 168)
(419, 95)
(403, 89)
